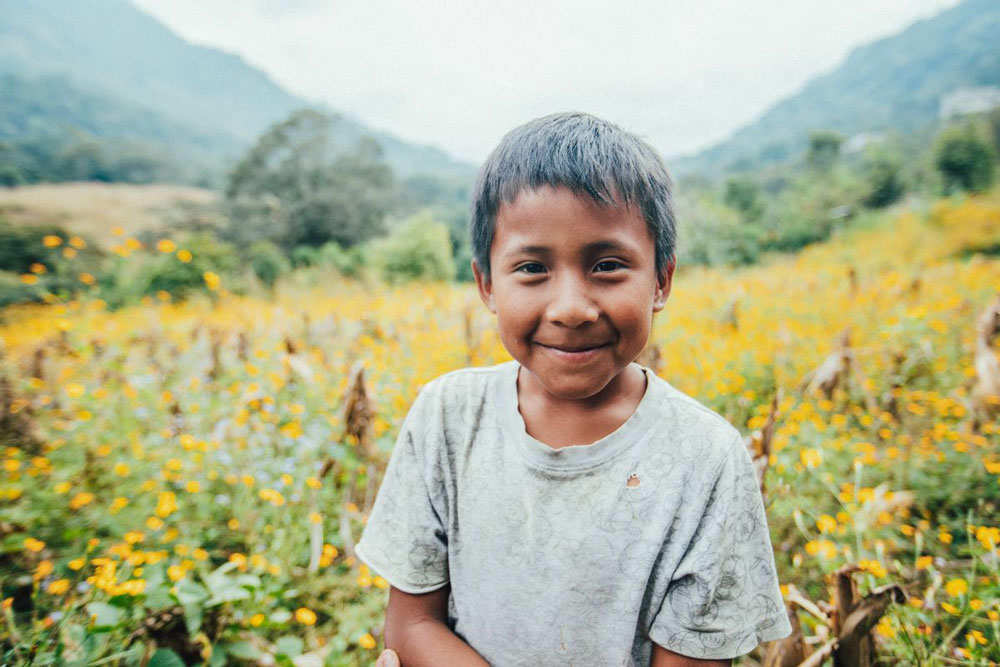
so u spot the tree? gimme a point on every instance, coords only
(419, 250)
(965, 160)
(304, 184)
(743, 195)
(824, 149)
(885, 186)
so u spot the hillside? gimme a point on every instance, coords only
(893, 84)
(62, 69)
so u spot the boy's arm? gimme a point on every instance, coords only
(664, 658)
(416, 629)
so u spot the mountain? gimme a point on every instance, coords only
(107, 68)
(896, 83)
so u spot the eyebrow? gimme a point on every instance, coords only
(590, 248)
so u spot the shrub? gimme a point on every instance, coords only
(268, 262)
(167, 272)
(349, 262)
(419, 250)
(965, 160)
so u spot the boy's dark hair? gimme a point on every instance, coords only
(585, 154)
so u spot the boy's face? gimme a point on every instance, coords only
(574, 287)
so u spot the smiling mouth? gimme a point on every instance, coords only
(574, 351)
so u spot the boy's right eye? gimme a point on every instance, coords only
(531, 268)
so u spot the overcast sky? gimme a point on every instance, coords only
(682, 73)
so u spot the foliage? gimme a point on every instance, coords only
(743, 195)
(713, 234)
(170, 270)
(299, 186)
(349, 262)
(420, 249)
(824, 149)
(883, 180)
(965, 160)
(268, 262)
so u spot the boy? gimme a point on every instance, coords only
(569, 507)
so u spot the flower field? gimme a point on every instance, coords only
(184, 481)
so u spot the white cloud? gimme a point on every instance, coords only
(683, 73)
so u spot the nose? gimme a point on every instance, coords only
(570, 304)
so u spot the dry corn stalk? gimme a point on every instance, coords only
(759, 442)
(986, 391)
(834, 370)
(850, 623)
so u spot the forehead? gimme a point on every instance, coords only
(550, 215)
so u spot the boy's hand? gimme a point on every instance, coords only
(388, 659)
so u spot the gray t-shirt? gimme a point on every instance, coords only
(582, 555)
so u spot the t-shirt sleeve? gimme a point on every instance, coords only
(405, 539)
(723, 598)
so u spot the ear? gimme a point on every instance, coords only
(485, 285)
(663, 283)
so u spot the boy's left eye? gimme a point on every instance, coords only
(607, 265)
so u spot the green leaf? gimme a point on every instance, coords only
(243, 650)
(289, 646)
(190, 592)
(104, 614)
(193, 615)
(164, 657)
(280, 616)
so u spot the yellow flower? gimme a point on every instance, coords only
(184, 255)
(811, 458)
(118, 504)
(59, 586)
(175, 572)
(166, 504)
(154, 523)
(69, 253)
(31, 544)
(256, 620)
(212, 280)
(81, 499)
(29, 278)
(37, 268)
(166, 246)
(43, 570)
(77, 564)
(122, 469)
(134, 536)
(315, 517)
(51, 241)
(366, 641)
(956, 587)
(77, 242)
(826, 524)
(924, 562)
(305, 616)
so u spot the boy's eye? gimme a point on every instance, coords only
(531, 267)
(607, 265)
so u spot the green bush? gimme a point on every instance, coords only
(12, 290)
(167, 272)
(966, 160)
(305, 255)
(882, 174)
(711, 234)
(419, 250)
(268, 262)
(350, 262)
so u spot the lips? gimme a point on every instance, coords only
(572, 348)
